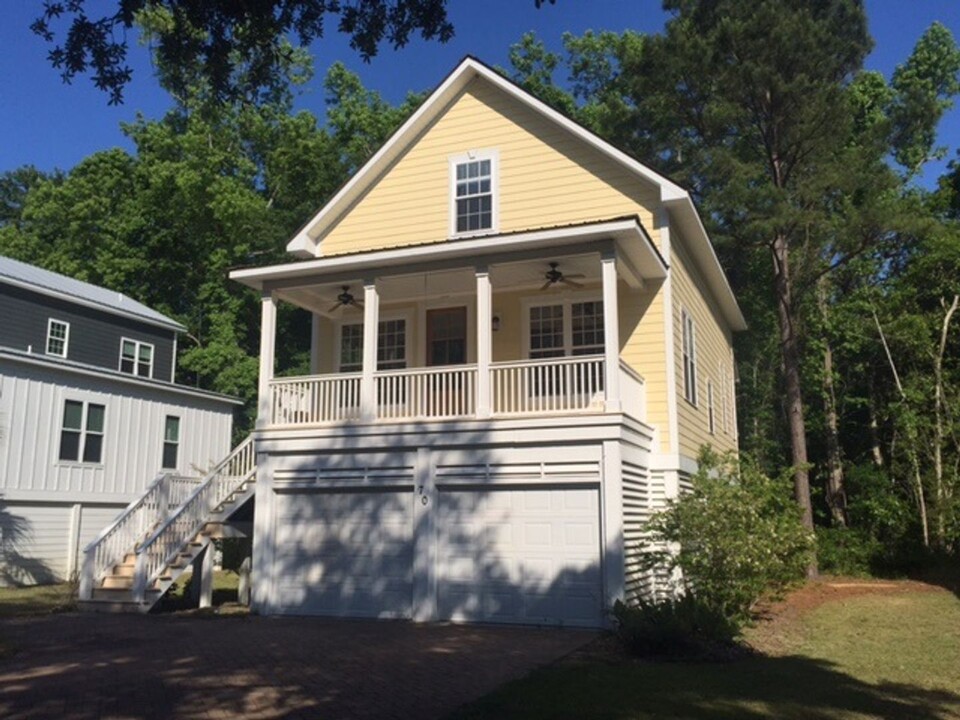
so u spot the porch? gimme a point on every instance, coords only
(518, 326)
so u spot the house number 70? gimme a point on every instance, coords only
(423, 498)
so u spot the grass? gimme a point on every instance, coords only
(225, 583)
(36, 600)
(871, 656)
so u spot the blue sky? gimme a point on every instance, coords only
(51, 125)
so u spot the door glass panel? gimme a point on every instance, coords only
(447, 336)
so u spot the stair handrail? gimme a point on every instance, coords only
(159, 550)
(119, 537)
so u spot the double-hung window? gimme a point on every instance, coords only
(567, 328)
(689, 347)
(136, 357)
(474, 201)
(81, 435)
(391, 346)
(171, 442)
(58, 337)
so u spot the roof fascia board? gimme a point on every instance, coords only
(67, 297)
(114, 376)
(628, 228)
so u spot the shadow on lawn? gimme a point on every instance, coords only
(764, 687)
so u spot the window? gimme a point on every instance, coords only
(136, 357)
(689, 358)
(81, 439)
(710, 418)
(473, 194)
(568, 328)
(391, 346)
(171, 442)
(58, 336)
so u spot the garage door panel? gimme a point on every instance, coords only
(526, 555)
(345, 553)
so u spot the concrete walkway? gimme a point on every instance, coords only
(134, 666)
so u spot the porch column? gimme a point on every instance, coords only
(268, 337)
(484, 341)
(611, 331)
(371, 322)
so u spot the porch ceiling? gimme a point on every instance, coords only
(516, 261)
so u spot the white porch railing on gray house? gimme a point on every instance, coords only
(525, 388)
(133, 526)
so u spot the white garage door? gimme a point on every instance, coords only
(529, 555)
(344, 553)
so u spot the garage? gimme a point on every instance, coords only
(344, 553)
(520, 554)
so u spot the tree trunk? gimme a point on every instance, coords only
(874, 424)
(790, 355)
(938, 410)
(836, 496)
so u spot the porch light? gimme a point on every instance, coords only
(495, 323)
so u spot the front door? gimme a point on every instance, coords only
(447, 336)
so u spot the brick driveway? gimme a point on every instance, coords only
(167, 666)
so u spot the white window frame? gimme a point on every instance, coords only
(475, 156)
(66, 337)
(136, 356)
(165, 442)
(711, 419)
(338, 344)
(688, 355)
(83, 431)
(567, 300)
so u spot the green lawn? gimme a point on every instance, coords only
(886, 656)
(36, 600)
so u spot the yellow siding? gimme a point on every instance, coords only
(546, 177)
(714, 357)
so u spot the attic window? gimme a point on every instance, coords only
(474, 202)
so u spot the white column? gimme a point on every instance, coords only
(371, 322)
(315, 330)
(268, 339)
(611, 331)
(614, 550)
(484, 340)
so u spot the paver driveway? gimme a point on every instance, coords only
(133, 666)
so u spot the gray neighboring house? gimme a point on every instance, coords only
(89, 416)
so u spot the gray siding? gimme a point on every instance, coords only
(94, 335)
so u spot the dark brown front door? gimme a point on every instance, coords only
(447, 336)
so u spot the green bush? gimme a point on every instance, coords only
(735, 537)
(847, 551)
(677, 628)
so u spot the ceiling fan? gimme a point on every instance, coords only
(346, 299)
(554, 276)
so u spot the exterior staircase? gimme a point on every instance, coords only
(136, 559)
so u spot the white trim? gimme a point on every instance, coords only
(493, 155)
(662, 220)
(691, 389)
(163, 440)
(405, 315)
(112, 375)
(84, 432)
(66, 338)
(711, 410)
(566, 298)
(137, 344)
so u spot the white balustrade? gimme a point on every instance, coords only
(316, 399)
(427, 393)
(157, 551)
(548, 385)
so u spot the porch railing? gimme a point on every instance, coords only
(427, 393)
(548, 385)
(519, 388)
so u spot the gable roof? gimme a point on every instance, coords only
(46, 282)
(306, 243)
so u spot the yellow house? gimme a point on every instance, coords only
(521, 339)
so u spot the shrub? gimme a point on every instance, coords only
(735, 537)
(847, 551)
(683, 627)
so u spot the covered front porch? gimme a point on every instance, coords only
(509, 326)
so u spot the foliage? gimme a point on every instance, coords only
(224, 39)
(847, 551)
(735, 538)
(679, 628)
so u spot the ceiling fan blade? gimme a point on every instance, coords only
(357, 304)
(547, 284)
(571, 283)
(576, 276)
(334, 307)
